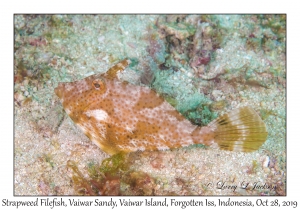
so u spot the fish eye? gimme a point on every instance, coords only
(98, 84)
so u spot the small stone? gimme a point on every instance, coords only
(266, 162)
(63, 132)
(34, 89)
(217, 93)
(267, 170)
(40, 86)
(277, 168)
(201, 176)
(26, 93)
(22, 88)
(178, 171)
(101, 39)
(166, 186)
(25, 82)
(19, 97)
(157, 187)
(234, 103)
(262, 104)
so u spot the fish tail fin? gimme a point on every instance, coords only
(239, 130)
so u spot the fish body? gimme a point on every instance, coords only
(122, 117)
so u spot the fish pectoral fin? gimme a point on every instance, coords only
(239, 130)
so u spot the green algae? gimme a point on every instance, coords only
(266, 113)
(254, 166)
(114, 164)
(112, 177)
(48, 159)
(200, 146)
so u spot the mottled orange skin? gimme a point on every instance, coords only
(119, 116)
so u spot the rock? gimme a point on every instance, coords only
(19, 97)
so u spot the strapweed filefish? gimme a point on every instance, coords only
(122, 117)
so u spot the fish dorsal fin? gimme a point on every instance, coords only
(112, 72)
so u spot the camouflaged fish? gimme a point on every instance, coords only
(118, 116)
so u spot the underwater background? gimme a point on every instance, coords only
(203, 65)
